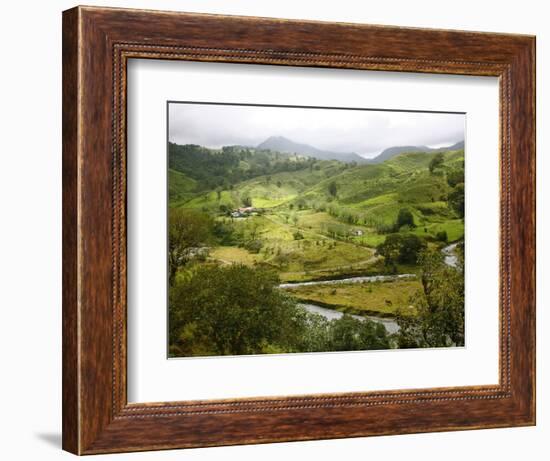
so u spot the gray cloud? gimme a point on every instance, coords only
(366, 132)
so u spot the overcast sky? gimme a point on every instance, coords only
(366, 132)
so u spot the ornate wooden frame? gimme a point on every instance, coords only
(97, 43)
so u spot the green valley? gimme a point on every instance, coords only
(318, 232)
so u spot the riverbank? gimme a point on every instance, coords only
(354, 312)
(359, 279)
(389, 324)
(381, 296)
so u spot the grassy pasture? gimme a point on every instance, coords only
(374, 298)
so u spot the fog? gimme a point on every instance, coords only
(366, 132)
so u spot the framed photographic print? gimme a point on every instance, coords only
(284, 230)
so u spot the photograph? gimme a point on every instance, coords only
(313, 229)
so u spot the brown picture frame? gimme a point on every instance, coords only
(97, 43)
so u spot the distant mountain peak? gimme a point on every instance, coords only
(282, 144)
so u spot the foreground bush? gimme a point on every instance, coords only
(238, 310)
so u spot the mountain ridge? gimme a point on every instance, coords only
(391, 152)
(282, 144)
(286, 145)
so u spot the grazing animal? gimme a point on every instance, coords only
(388, 302)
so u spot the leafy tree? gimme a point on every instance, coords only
(279, 184)
(231, 310)
(440, 306)
(404, 218)
(247, 201)
(236, 310)
(442, 236)
(455, 176)
(224, 232)
(351, 334)
(187, 230)
(411, 246)
(436, 162)
(333, 189)
(456, 199)
(211, 169)
(253, 227)
(316, 333)
(390, 248)
(402, 248)
(254, 246)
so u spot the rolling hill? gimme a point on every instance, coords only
(367, 196)
(391, 152)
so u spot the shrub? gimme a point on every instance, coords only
(436, 162)
(405, 218)
(442, 236)
(402, 248)
(456, 199)
(298, 235)
(254, 246)
(333, 189)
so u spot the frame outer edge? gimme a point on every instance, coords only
(70, 191)
(525, 207)
(91, 423)
(522, 249)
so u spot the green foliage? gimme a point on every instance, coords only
(224, 232)
(390, 249)
(333, 189)
(237, 310)
(317, 220)
(442, 236)
(455, 176)
(351, 334)
(298, 235)
(231, 310)
(211, 168)
(254, 246)
(188, 231)
(436, 162)
(401, 248)
(404, 218)
(456, 199)
(383, 298)
(180, 187)
(344, 334)
(411, 246)
(440, 318)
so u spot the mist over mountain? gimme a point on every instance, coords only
(282, 144)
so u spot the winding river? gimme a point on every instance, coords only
(362, 279)
(330, 314)
(450, 259)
